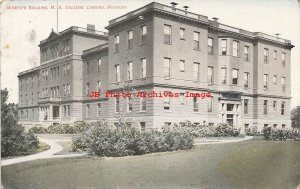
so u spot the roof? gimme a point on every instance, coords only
(168, 10)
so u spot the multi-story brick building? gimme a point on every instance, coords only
(163, 49)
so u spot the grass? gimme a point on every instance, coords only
(255, 164)
(40, 148)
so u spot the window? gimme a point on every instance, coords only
(87, 88)
(283, 59)
(246, 53)
(223, 46)
(235, 73)
(182, 99)
(266, 125)
(144, 34)
(266, 55)
(98, 86)
(275, 55)
(32, 98)
(129, 67)
(117, 73)
(274, 105)
(246, 106)
(166, 103)
(196, 40)
(144, 67)
(283, 83)
(210, 104)
(68, 69)
(266, 81)
(68, 89)
(87, 110)
(246, 79)
(26, 83)
(181, 65)
(98, 109)
(235, 48)
(195, 104)
(274, 79)
(130, 36)
(117, 105)
(265, 107)
(283, 126)
(167, 63)
(143, 126)
(274, 126)
(117, 42)
(182, 33)
(282, 108)
(99, 64)
(223, 75)
(196, 71)
(210, 45)
(143, 104)
(64, 70)
(87, 68)
(229, 107)
(66, 110)
(210, 75)
(167, 34)
(129, 104)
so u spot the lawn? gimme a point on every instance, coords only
(255, 164)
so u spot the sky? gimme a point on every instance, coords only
(22, 30)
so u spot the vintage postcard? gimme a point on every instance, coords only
(113, 94)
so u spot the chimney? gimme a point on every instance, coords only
(185, 9)
(215, 19)
(277, 36)
(173, 5)
(90, 28)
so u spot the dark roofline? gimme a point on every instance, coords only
(165, 9)
(78, 30)
(96, 49)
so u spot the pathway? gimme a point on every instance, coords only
(54, 148)
(201, 141)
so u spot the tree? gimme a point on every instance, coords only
(295, 117)
(14, 139)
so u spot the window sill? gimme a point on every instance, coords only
(169, 111)
(197, 49)
(168, 43)
(142, 111)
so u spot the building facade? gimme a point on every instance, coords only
(162, 49)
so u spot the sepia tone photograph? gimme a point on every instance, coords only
(113, 94)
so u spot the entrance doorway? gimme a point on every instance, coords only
(56, 113)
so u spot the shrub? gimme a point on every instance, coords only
(197, 130)
(252, 132)
(102, 140)
(224, 129)
(76, 128)
(281, 134)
